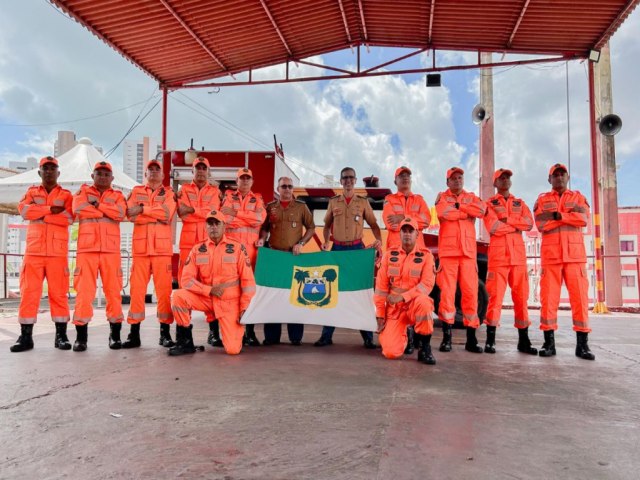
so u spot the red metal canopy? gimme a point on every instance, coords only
(179, 42)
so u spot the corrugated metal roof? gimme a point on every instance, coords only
(184, 41)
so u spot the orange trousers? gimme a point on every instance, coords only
(575, 278)
(141, 270)
(84, 281)
(184, 253)
(497, 280)
(183, 302)
(454, 271)
(418, 312)
(35, 269)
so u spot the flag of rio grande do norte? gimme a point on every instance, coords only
(325, 288)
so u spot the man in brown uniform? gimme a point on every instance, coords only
(345, 219)
(283, 226)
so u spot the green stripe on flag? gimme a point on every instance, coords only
(275, 268)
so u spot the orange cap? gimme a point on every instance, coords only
(103, 164)
(153, 162)
(499, 172)
(48, 159)
(453, 170)
(401, 170)
(409, 221)
(201, 160)
(217, 214)
(557, 166)
(244, 171)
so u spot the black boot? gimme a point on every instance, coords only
(165, 336)
(408, 350)
(472, 342)
(582, 347)
(133, 339)
(184, 343)
(524, 344)
(214, 334)
(25, 340)
(82, 334)
(549, 347)
(367, 338)
(424, 354)
(445, 346)
(61, 341)
(490, 342)
(250, 336)
(114, 337)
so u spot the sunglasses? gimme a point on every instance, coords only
(349, 177)
(286, 186)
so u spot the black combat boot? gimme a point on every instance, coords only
(250, 336)
(114, 337)
(367, 338)
(472, 342)
(133, 339)
(424, 354)
(165, 336)
(25, 340)
(582, 348)
(82, 334)
(490, 342)
(445, 345)
(214, 334)
(61, 341)
(408, 350)
(549, 346)
(184, 342)
(524, 344)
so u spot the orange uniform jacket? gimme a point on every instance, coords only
(562, 240)
(152, 227)
(47, 234)
(411, 206)
(506, 247)
(244, 226)
(203, 200)
(224, 264)
(99, 227)
(457, 225)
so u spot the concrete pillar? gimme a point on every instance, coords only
(487, 162)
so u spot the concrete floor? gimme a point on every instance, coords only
(339, 412)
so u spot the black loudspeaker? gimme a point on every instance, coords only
(610, 124)
(433, 80)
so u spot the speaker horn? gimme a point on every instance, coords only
(610, 124)
(478, 114)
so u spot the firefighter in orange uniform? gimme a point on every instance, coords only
(399, 205)
(48, 209)
(560, 216)
(217, 279)
(151, 208)
(505, 220)
(457, 211)
(99, 210)
(405, 279)
(195, 201)
(245, 214)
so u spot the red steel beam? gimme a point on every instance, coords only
(613, 26)
(275, 26)
(364, 25)
(344, 20)
(431, 14)
(515, 28)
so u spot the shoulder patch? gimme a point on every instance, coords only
(417, 260)
(419, 254)
(203, 248)
(393, 259)
(517, 203)
(495, 201)
(395, 253)
(253, 200)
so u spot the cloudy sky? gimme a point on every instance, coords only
(55, 76)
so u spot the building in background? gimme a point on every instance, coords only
(136, 153)
(66, 141)
(29, 164)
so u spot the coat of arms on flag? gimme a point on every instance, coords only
(314, 287)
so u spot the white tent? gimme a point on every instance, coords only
(76, 167)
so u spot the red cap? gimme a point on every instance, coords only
(557, 166)
(199, 160)
(49, 159)
(453, 170)
(409, 221)
(499, 172)
(153, 162)
(401, 170)
(244, 171)
(217, 214)
(103, 164)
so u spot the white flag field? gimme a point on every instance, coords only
(324, 288)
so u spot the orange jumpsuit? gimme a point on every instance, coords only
(46, 253)
(563, 256)
(507, 257)
(457, 252)
(410, 206)
(152, 250)
(226, 265)
(244, 226)
(194, 230)
(98, 251)
(411, 275)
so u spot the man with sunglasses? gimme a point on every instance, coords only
(344, 220)
(283, 226)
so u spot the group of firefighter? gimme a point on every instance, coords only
(221, 235)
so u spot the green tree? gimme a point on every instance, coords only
(300, 276)
(330, 276)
